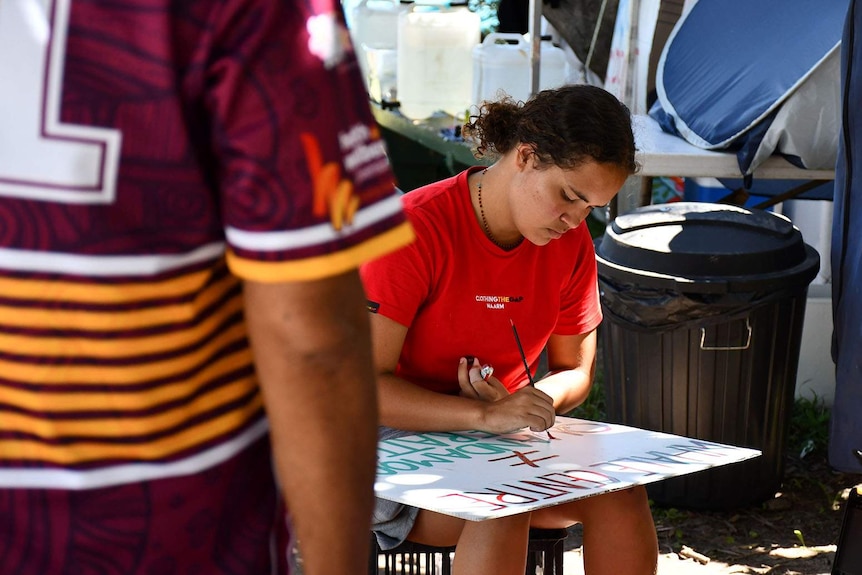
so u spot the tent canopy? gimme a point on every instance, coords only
(754, 76)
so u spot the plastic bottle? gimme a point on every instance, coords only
(435, 70)
(375, 23)
(553, 67)
(502, 63)
(374, 32)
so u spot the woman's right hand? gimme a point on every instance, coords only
(504, 412)
(527, 407)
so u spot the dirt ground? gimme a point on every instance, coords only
(760, 539)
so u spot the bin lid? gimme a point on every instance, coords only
(705, 247)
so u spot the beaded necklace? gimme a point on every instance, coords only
(509, 246)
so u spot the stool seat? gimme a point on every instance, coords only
(544, 552)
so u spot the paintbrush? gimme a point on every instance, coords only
(526, 365)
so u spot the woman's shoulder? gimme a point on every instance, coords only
(440, 207)
(436, 195)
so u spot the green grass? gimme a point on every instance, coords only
(809, 427)
(593, 408)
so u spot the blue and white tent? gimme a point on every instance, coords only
(757, 77)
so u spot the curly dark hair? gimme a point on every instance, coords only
(565, 126)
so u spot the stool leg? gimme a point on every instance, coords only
(373, 556)
(557, 563)
(531, 562)
(545, 552)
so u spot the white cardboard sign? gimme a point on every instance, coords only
(477, 476)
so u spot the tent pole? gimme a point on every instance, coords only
(535, 25)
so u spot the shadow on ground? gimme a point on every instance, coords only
(793, 534)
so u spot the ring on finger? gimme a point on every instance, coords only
(486, 371)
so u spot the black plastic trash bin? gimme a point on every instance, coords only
(704, 306)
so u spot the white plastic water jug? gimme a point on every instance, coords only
(434, 69)
(553, 66)
(374, 32)
(502, 63)
(375, 23)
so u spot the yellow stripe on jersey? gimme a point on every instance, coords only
(130, 426)
(175, 349)
(45, 400)
(82, 452)
(114, 320)
(319, 267)
(116, 348)
(110, 294)
(137, 373)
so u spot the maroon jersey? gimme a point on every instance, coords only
(154, 153)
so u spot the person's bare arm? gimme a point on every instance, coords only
(571, 363)
(313, 358)
(404, 405)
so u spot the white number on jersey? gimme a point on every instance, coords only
(41, 158)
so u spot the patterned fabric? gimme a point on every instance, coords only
(154, 153)
(225, 520)
(185, 135)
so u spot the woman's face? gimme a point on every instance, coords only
(548, 202)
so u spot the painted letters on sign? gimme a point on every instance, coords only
(480, 476)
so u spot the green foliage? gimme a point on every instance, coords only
(596, 225)
(667, 514)
(669, 520)
(593, 408)
(809, 427)
(487, 11)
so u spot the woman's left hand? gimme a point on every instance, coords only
(474, 386)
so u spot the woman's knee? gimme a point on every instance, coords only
(624, 501)
(436, 529)
(628, 496)
(631, 503)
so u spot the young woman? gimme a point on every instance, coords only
(500, 245)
